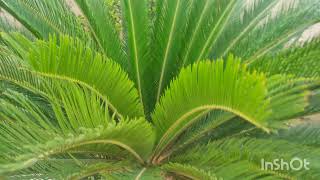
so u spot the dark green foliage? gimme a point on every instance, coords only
(149, 89)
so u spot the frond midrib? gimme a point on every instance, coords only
(89, 142)
(164, 63)
(195, 32)
(213, 32)
(136, 60)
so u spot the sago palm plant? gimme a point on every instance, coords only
(162, 89)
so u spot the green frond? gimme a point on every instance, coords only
(18, 43)
(14, 70)
(168, 35)
(45, 17)
(302, 64)
(257, 27)
(288, 99)
(98, 16)
(207, 21)
(72, 61)
(299, 61)
(81, 80)
(305, 134)
(274, 34)
(5, 51)
(216, 125)
(80, 121)
(188, 171)
(289, 96)
(243, 156)
(219, 86)
(137, 36)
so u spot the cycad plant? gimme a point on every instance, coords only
(158, 89)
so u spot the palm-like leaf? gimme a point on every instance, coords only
(170, 23)
(215, 82)
(136, 18)
(93, 71)
(126, 91)
(44, 136)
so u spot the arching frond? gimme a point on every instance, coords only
(273, 34)
(81, 83)
(210, 86)
(71, 60)
(288, 99)
(80, 120)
